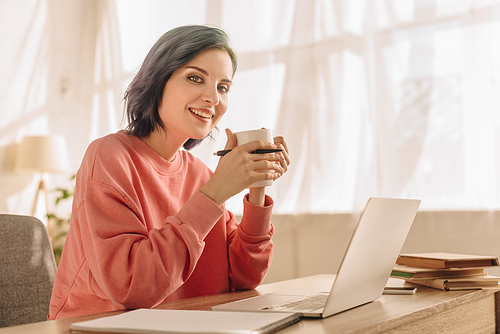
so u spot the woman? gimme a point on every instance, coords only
(148, 222)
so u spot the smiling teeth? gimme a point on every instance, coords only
(200, 113)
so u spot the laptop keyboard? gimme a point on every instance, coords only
(310, 303)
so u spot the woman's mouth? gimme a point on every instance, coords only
(201, 113)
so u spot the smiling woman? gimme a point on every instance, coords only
(145, 93)
(149, 222)
(194, 100)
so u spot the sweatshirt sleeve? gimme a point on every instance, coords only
(133, 267)
(250, 245)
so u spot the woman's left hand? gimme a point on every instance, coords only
(280, 142)
(257, 195)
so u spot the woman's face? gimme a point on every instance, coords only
(196, 96)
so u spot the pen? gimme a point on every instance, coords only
(259, 151)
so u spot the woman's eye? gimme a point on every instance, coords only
(223, 89)
(195, 78)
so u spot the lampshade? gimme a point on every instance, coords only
(43, 154)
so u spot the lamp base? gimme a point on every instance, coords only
(42, 188)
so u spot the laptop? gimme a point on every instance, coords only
(363, 273)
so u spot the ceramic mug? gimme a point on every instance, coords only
(244, 137)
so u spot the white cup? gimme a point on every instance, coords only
(244, 137)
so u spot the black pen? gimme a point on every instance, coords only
(259, 151)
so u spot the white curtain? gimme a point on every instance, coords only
(61, 73)
(394, 98)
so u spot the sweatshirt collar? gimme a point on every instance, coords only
(156, 160)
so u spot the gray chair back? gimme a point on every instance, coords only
(27, 270)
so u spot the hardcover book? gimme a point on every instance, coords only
(466, 283)
(425, 273)
(446, 260)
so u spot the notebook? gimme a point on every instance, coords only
(147, 321)
(365, 268)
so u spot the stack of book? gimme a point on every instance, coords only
(447, 271)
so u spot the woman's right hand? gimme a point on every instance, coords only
(240, 168)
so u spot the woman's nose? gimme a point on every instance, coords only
(211, 96)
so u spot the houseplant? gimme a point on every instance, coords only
(60, 223)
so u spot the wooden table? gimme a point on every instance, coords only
(428, 311)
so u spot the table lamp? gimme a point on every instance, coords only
(42, 154)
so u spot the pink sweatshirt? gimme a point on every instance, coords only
(141, 233)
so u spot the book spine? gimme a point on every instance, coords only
(421, 263)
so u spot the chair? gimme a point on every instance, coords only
(27, 270)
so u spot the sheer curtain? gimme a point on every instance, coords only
(375, 97)
(437, 103)
(61, 74)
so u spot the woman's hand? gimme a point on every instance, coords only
(240, 168)
(284, 161)
(257, 195)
